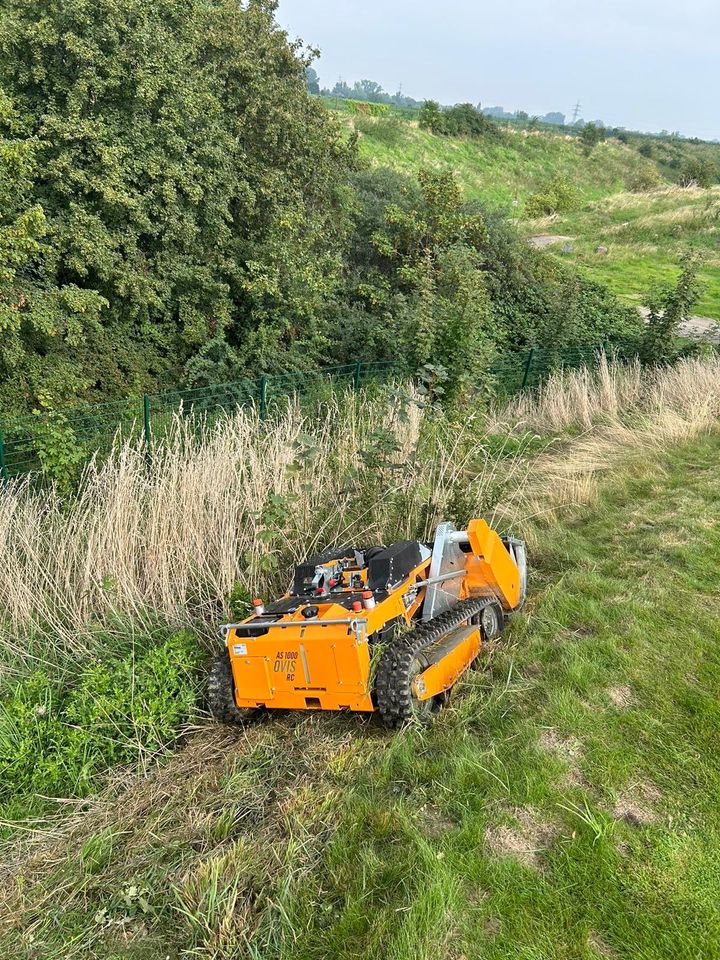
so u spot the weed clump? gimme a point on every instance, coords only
(56, 738)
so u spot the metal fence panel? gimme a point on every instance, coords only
(30, 444)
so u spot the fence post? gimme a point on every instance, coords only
(3, 465)
(357, 375)
(146, 427)
(528, 367)
(262, 396)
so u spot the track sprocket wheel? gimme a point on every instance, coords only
(402, 661)
(221, 694)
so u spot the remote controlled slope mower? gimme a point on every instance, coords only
(386, 628)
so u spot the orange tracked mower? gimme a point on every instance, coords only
(386, 629)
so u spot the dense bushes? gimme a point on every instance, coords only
(175, 209)
(433, 277)
(698, 172)
(55, 737)
(170, 192)
(462, 120)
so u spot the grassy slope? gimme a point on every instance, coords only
(564, 807)
(500, 171)
(646, 233)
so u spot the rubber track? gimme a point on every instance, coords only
(221, 693)
(392, 686)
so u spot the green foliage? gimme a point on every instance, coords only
(240, 601)
(699, 172)
(435, 280)
(430, 117)
(165, 180)
(389, 131)
(591, 135)
(368, 109)
(432, 256)
(559, 196)
(55, 738)
(669, 306)
(56, 445)
(177, 207)
(41, 323)
(644, 179)
(462, 120)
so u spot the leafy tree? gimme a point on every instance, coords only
(371, 91)
(592, 134)
(41, 322)
(177, 187)
(431, 117)
(342, 90)
(669, 307)
(312, 81)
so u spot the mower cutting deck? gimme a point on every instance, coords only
(386, 628)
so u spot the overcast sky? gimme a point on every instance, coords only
(641, 64)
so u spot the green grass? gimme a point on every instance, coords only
(646, 234)
(499, 171)
(565, 806)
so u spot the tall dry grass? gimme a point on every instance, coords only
(614, 413)
(240, 499)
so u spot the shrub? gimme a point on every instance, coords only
(698, 171)
(669, 307)
(559, 196)
(462, 120)
(646, 178)
(592, 134)
(431, 117)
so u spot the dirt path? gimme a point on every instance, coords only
(697, 328)
(543, 240)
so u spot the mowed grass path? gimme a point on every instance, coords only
(565, 807)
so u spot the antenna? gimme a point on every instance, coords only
(576, 112)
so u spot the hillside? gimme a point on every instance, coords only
(646, 231)
(503, 170)
(645, 235)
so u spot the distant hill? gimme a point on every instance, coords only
(628, 193)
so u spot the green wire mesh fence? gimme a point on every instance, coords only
(28, 444)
